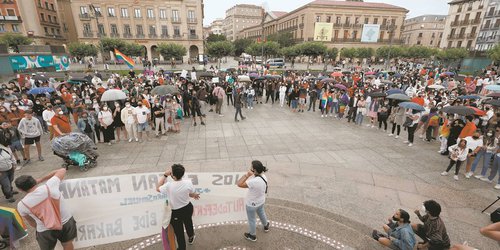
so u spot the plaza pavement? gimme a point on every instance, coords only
(352, 177)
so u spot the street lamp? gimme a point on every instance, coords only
(96, 16)
(391, 32)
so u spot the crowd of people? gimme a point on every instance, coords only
(34, 107)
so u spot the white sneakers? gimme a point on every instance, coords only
(410, 144)
(478, 176)
(455, 177)
(444, 173)
(497, 186)
(468, 175)
(390, 134)
(396, 137)
(486, 179)
(406, 142)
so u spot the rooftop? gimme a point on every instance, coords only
(426, 18)
(279, 14)
(355, 4)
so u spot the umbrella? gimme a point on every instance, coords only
(327, 80)
(204, 74)
(347, 72)
(370, 73)
(260, 78)
(411, 105)
(337, 74)
(494, 102)
(41, 78)
(478, 111)
(113, 95)
(42, 90)
(378, 94)
(322, 77)
(459, 110)
(12, 224)
(340, 86)
(253, 75)
(466, 97)
(231, 69)
(244, 78)
(399, 97)
(448, 73)
(435, 86)
(370, 76)
(164, 90)
(386, 82)
(394, 91)
(495, 88)
(493, 95)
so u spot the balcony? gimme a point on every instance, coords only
(115, 35)
(177, 36)
(301, 25)
(140, 36)
(175, 20)
(347, 25)
(88, 34)
(388, 27)
(337, 25)
(476, 21)
(127, 35)
(46, 22)
(465, 22)
(193, 36)
(471, 35)
(164, 36)
(11, 18)
(455, 23)
(101, 34)
(357, 26)
(111, 16)
(84, 16)
(489, 38)
(192, 20)
(154, 35)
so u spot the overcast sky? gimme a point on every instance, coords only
(217, 8)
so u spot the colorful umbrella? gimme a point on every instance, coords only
(449, 73)
(340, 86)
(370, 73)
(435, 86)
(467, 97)
(411, 105)
(478, 111)
(244, 78)
(253, 75)
(41, 90)
(394, 91)
(337, 74)
(378, 94)
(12, 224)
(164, 90)
(327, 80)
(459, 110)
(493, 95)
(494, 102)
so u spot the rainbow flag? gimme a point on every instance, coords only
(127, 60)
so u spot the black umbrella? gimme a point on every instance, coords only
(459, 110)
(40, 78)
(378, 94)
(493, 102)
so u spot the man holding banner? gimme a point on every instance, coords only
(178, 192)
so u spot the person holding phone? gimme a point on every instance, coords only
(256, 182)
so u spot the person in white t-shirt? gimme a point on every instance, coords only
(143, 116)
(36, 200)
(474, 145)
(256, 182)
(179, 193)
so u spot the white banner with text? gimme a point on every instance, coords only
(110, 209)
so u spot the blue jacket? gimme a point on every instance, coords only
(402, 237)
(81, 124)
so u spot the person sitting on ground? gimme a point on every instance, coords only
(400, 235)
(433, 231)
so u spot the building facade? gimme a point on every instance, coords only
(42, 21)
(147, 23)
(346, 17)
(217, 26)
(239, 17)
(424, 30)
(10, 18)
(489, 33)
(463, 23)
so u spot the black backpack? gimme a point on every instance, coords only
(495, 216)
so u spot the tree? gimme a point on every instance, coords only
(312, 50)
(350, 53)
(212, 38)
(133, 49)
(390, 52)
(13, 40)
(419, 52)
(220, 49)
(284, 39)
(329, 56)
(110, 44)
(240, 45)
(267, 49)
(494, 53)
(254, 49)
(81, 50)
(453, 55)
(171, 51)
(364, 53)
(290, 53)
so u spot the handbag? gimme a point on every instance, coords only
(408, 122)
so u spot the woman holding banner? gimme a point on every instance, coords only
(178, 192)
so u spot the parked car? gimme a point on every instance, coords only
(275, 62)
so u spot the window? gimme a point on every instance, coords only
(191, 16)
(467, 16)
(11, 12)
(152, 30)
(163, 14)
(420, 34)
(114, 29)
(139, 29)
(124, 12)
(175, 15)
(449, 44)
(58, 31)
(177, 31)
(46, 5)
(126, 29)
(2, 27)
(355, 34)
(50, 18)
(328, 19)
(87, 28)
(492, 11)
(384, 21)
(150, 13)
(347, 20)
(84, 10)
(318, 19)
(382, 35)
(367, 20)
(52, 6)
(192, 31)
(55, 19)
(336, 35)
(111, 12)
(356, 20)
(432, 41)
(100, 29)
(39, 3)
(418, 43)
(459, 44)
(15, 27)
(98, 11)
(137, 13)
(375, 20)
(164, 31)
(338, 20)
(42, 16)
(53, 31)
(46, 30)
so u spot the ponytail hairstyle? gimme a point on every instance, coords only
(258, 167)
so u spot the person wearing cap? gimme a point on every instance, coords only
(31, 130)
(399, 233)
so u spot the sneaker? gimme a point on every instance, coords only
(440, 151)
(251, 108)
(410, 144)
(420, 136)
(478, 176)
(130, 140)
(486, 179)
(266, 227)
(497, 186)
(40, 158)
(26, 162)
(455, 177)
(12, 200)
(390, 135)
(194, 124)
(322, 116)
(373, 126)
(444, 173)
(396, 137)
(221, 115)
(406, 142)
(18, 167)
(109, 143)
(250, 237)
(136, 140)
(368, 125)
(191, 240)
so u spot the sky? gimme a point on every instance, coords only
(217, 8)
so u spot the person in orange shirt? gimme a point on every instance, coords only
(418, 100)
(469, 129)
(15, 115)
(60, 123)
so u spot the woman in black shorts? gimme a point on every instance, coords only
(117, 122)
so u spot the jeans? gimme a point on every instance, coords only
(294, 104)
(312, 104)
(252, 220)
(6, 178)
(250, 101)
(486, 161)
(335, 108)
(238, 110)
(44, 125)
(182, 218)
(359, 118)
(495, 169)
(382, 119)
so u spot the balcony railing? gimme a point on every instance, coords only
(127, 35)
(192, 20)
(114, 35)
(11, 18)
(476, 21)
(176, 36)
(455, 23)
(139, 36)
(471, 35)
(337, 25)
(488, 38)
(175, 20)
(165, 36)
(101, 34)
(347, 25)
(84, 16)
(88, 34)
(193, 36)
(153, 35)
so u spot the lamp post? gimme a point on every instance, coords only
(96, 16)
(391, 33)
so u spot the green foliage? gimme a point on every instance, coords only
(13, 40)
(172, 50)
(267, 48)
(494, 53)
(365, 52)
(312, 49)
(329, 56)
(133, 49)
(110, 44)
(254, 49)
(453, 54)
(82, 49)
(240, 45)
(212, 38)
(290, 53)
(390, 52)
(420, 52)
(220, 49)
(284, 39)
(271, 48)
(348, 53)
